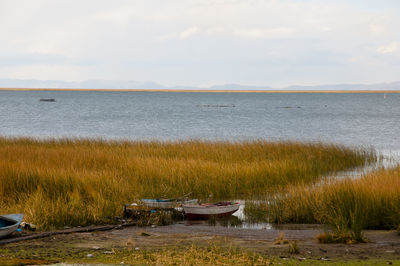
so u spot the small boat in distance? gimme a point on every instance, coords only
(9, 223)
(47, 100)
(207, 210)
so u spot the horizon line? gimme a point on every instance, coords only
(203, 90)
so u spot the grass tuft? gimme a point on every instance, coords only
(281, 240)
(294, 247)
(338, 238)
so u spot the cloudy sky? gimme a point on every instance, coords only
(202, 42)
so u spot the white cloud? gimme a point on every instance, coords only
(391, 48)
(326, 28)
(377, 29)
(243, 33)
(247, 41)
(188, 32)
(45, 72)
(120, 16)
(264, 33)
(215, 30)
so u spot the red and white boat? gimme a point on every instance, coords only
(205, 210)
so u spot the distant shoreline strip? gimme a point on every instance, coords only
(205, 90)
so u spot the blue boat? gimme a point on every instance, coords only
(9, 223)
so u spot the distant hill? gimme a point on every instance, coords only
(87, 84)
(379, 86)
(118, 84)
(238, 87)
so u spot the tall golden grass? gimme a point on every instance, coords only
(349, 205)
(79, 182)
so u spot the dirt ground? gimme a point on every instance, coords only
(382, 245)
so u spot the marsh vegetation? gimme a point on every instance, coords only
(79, 182)
(348, 205)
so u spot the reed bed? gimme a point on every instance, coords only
(212, 253)
(349, 205)
(73, 182)
(193, 255)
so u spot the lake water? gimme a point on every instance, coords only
(352, 119)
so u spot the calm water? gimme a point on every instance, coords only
(353, 119)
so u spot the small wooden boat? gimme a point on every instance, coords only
(9, 223)
(146, 206)
(206, 210)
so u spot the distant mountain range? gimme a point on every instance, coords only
(117, 84)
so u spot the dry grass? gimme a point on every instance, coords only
(281, 239)
(80, 182)
(212, 255)
(349, 206)
(255, 211)
(294, 247)
(335, 238)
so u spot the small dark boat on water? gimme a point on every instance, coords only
(9, 223)
(47, 100)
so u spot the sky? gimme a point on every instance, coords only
(202, 42)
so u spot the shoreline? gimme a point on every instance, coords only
(205, 90)
(113, 246)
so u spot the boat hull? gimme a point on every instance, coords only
(9, 223)
(194, 216)
(199, 212)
